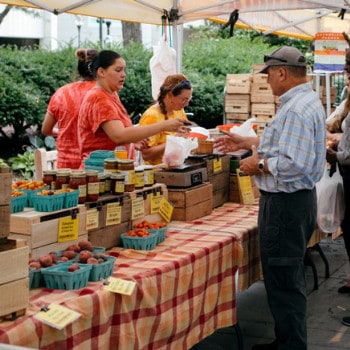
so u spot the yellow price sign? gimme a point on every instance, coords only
(155, 202)
(137, 208)
(217, 165)
(91, 219)
(166, 209)
(114, 214)
(67, 229)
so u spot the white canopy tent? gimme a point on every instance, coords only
(297, 18)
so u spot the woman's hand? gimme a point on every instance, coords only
(141, 145)
(173, 125)
(331, 156)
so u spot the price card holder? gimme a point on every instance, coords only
(217, 165)
(120, 286)
(57, 316)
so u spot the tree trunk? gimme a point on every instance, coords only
(131, 32)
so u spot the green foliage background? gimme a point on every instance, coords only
(28, 78)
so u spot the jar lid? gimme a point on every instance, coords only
(139, 168)
(111, 160)
(49, 172)
(63, 172)
(78, 173)
(125, 161)
(91, 173)
(117, 176)
(148, 167)
(102, 176)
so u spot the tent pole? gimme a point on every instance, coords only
(178, 44)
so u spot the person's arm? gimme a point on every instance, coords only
(231, 142)
(48, 127)
(153, 152)
(119, 134)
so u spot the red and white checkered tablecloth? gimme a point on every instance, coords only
(240, 221)
(185, 291)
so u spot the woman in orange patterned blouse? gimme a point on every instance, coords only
(61, 118)
(103, 122)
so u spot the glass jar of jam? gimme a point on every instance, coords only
(117, 183)
(139, 178)
(108, 183)
(148, 175)
(92, 186)
(110, 165)
(49, 177)
(78, 182)
(62, 179)
(126, 167)
(102, 183)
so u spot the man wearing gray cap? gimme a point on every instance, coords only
(287, 161)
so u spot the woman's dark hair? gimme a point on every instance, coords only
(85, 58)
(175, 84)
(104, 59)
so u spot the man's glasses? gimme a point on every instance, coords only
(267, 58)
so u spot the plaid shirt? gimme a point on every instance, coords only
(294, 143)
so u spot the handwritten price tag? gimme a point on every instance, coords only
(57, 316)
(117, 285)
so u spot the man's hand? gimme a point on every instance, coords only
(331, 156)
(249, 166)
(230, 142)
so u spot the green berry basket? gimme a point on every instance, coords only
(48, 203)
(140, 243)
(31, 193)
(71, 199)
(18, 203)
(102, 270)
(58, 276)
(160, 232)
(36, 279)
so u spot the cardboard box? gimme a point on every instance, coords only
(192, 203)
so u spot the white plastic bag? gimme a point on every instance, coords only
(162, 64)
(330, 202)
(177, 149)
(245, 129)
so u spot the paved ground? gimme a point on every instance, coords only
(326, 308)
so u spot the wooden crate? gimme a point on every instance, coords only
(5, 212)
(259, 78)
(238, 83)
(40, 229)
(218, 170)
(109, 236)
(14, 298)
(237, 99)
(238, 108)
(237, 117)
(5, 186)
(14, 282)
(192, 203)
(262, 93)
(234, 195)
(263, 118)
(263, 108)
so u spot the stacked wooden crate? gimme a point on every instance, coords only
(263, 107)
(14, 256)
(237, 97)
